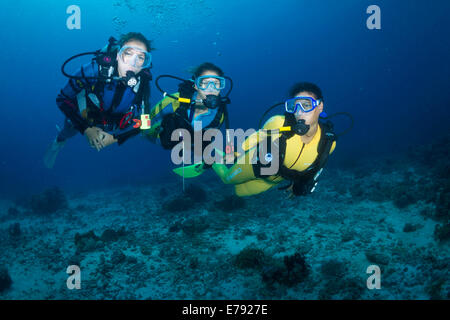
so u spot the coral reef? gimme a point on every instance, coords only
(13, 212)
(333, 268)
(410, 227)
(178, 204)
(442, 212)
(378, 258)
(434, 289)
(110, 235)
(163, 193)
(250, 258)
(194, 225)
(193, 196)
(118, 257)
(287, 271)
(230, 203)
(442, 232)
(291, 272)
(49, 201)
(195, 193)
(14, 230)
(388, 211)
(5, 279)
(296, 267)
(86, 242)
(349, 288)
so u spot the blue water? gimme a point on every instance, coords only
(394, 81)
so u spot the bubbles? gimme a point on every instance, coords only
(119, 24)
(130, 5)
(165, 16)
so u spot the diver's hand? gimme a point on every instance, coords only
(290, 191)
(107, 139)
(94, 137)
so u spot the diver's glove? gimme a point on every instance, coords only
(306, 185)
(304, 188)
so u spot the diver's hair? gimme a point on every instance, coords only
(306, 87)
(205, 66)
(137, 36)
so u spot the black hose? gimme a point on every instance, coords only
(166, 76)
(74, 57)
(342, 114)
(231, 86)
(266, 112)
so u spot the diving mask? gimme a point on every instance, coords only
(135, 57)
(301, 103)
(210, 83)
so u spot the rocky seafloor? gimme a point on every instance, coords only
(154, 242)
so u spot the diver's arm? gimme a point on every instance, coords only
(164, 107)
(74, 86)
(71, 112)
(272, 124)
(124, 136)
(67, 98)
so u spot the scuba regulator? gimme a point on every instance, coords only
(301, 128)
(211, 101)
(107, 64)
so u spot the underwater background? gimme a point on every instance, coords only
(120, 214)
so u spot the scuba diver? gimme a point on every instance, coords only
(107, 98)
(198, 100)
(303, 145)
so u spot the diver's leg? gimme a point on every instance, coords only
(67, 132)
(242, 176)
(252, 187)
(240, 172)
